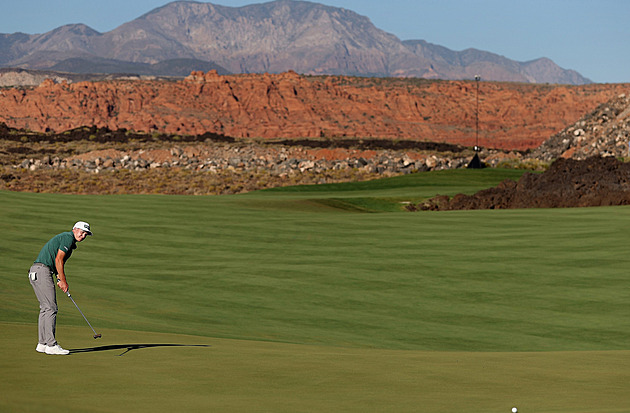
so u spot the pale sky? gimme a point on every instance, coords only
(589, 36)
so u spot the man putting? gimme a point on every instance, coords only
(49, 263)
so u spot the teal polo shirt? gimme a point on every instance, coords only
(64, 242)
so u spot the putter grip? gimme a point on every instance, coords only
(67, 292)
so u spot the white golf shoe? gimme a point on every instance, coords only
(41, 348)
(56, 349)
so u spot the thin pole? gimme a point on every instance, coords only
(477, 78)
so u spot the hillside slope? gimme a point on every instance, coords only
(604, 131)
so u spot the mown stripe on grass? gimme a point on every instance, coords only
(237, 267)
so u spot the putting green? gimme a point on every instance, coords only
(237, 376)
(324, 298)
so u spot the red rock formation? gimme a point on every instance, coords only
(511, 116)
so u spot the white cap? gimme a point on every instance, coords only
(84, 226)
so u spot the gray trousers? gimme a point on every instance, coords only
(42, 280)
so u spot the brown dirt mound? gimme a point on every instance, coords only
(567, 183)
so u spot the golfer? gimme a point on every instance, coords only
(50, 263)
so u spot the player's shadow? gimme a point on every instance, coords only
(129, 347)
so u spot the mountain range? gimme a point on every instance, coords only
(273, 37)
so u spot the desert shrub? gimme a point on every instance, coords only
(528, 164)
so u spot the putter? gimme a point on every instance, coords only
(86, 320)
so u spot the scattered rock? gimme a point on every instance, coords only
(603, 132)
(278, 159)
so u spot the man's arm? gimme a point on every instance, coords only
(59, 265)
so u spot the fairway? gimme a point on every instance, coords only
(322, 298)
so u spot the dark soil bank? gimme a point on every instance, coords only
(567, 183)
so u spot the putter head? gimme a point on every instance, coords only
(97, 336)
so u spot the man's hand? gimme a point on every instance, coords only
(63, 285)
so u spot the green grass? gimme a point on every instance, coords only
(308, 303)
(237, 376)
(391, 194)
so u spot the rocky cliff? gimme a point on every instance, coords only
(287, 105)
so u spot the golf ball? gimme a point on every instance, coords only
(514, 410)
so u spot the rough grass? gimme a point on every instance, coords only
(163, 181)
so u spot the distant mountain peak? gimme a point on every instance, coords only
(76, 29)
